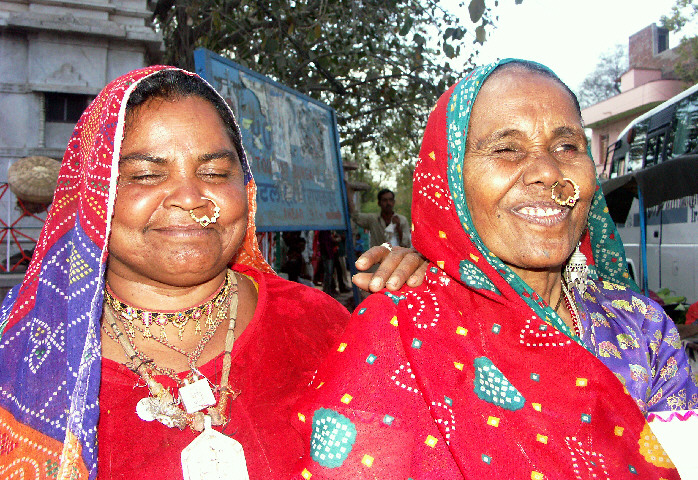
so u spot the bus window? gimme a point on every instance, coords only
(659, 147)
(613, 153)
(618, 167)
(654, 147)
(631, 269)
(686, 127)
(637, 148)
(668, 143)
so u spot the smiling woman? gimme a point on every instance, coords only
(520, 356)
(148, 314)
(512, 161)
(176, 156)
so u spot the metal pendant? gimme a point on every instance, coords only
(162, 410)
(197, 395)
(214, 456)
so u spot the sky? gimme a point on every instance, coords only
(568, 36)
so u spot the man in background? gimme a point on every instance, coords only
(385, 227)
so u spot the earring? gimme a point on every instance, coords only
(569, 201)
(577, 270)
(204, 220)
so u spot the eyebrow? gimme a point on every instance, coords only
(573, 132)
(498, 135)
(568, 131)
(229, 154)
(563, 131)
(206, 157)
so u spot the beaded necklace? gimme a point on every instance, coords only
(559, 301)
(572, 308)
(179, 318)
(162, 405)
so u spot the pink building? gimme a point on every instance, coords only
(649, 81)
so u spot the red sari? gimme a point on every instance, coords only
(471, 375)
(272, 362)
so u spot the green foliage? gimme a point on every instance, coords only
(682, 13)
(381, 64)
(403, 191)
(687, 66)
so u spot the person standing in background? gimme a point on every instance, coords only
(386, 227)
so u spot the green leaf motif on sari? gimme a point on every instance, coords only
(332, 439)
(473, 277)
(492, 386)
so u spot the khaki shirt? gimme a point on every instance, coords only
(376, 227)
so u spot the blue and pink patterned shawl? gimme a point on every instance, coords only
(50, 349)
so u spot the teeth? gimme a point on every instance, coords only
(539, 211)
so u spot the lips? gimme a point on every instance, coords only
(192, 229)
(542, 213)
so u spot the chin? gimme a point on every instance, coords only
(188, 277)
(183, 268)
(537, 258)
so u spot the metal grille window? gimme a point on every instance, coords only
(65, 107)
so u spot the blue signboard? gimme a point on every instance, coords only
(292, 145)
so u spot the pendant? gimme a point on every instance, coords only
(214, 456)
(163, 410)
(146, 409)
(197, 395)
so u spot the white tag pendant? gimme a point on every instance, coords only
(197, 396)
(214, 456)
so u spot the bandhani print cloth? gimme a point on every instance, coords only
(472, 375)
(50, 347)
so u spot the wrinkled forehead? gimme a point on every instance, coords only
(515, 73)
(508, 99)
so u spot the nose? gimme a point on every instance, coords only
(542, 168)
(185, 193)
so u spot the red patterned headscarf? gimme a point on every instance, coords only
(50, 349)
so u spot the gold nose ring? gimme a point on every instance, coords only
(205, 220)
(569, 201)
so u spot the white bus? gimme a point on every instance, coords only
(653, 169)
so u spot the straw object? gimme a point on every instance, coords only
(33, 179)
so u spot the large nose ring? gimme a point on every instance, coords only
(569, 201)
(204, 220)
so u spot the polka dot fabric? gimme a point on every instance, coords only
(470, 375)
(50, 345)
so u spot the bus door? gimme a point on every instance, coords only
(658, 148)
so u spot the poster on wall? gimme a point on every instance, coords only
(292, 145)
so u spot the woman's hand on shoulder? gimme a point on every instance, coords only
(395, 268)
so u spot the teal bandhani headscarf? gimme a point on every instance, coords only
(601, 243)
